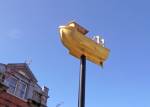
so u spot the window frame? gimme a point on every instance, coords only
(18, 89)
(9, 79)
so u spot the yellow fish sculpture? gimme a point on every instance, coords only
(74, 39)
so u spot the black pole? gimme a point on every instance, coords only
(81, 97)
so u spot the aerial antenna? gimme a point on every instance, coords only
(28, 61)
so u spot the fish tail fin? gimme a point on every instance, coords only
(102, 64)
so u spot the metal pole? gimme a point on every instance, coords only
(81, 96)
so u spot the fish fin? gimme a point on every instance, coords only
(102, 64)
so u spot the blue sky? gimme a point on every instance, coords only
(29, 29)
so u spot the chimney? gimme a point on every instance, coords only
(45, 90)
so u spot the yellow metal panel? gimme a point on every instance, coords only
(74, 38)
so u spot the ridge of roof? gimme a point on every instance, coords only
(27, 69)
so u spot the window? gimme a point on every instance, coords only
(43, 99)
(21, 89)
(12, 82)
(36, 96)
(17, 87)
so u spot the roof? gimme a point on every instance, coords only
(26, 67)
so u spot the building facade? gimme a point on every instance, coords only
(19, 87)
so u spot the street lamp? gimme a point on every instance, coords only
(73, 37)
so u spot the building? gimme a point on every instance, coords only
(19, 88)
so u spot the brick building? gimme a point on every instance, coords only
(19, 88)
